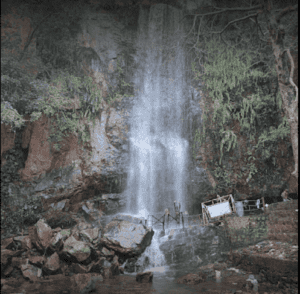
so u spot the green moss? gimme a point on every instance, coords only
(65, 232)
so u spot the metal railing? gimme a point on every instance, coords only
(167, 218)
(182, 218)
(258, 203)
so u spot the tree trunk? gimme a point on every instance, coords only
(288, 89)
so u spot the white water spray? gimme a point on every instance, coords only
(158, 151)
(153, 259)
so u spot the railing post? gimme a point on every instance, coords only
(180, 220)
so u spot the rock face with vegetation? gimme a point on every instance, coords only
(65, 130)
(247, 142)
(48, 167)
(67, 92)
(68, 88)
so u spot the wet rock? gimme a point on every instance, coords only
(24, 242)
(192, 279)
(69, 257)
(30, 271)
(52, 263)
(114, 203)
(38, 261)
(86, 282)
(7, 255)
(145, 277)
(205, 245)
(44, 234)
(127, 238)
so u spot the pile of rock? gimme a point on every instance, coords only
(74, 259)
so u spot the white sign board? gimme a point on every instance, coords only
(219, 209)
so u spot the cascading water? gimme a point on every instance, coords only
(158, 151)
(153, 259)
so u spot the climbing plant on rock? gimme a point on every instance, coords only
(237, 100)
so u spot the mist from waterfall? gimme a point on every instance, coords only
(158, 152)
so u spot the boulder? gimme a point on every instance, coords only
(192, 279)
(145, 277)
(127, 238)
(80, 250)
(77, 284)
(73, 259)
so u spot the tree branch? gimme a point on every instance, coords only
(229, 9)
(199, 31)
(192, 27)
(285, 11)
(292, 73)
(31, 36)
(224, 10)
(233, 21)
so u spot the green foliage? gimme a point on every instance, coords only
(25, 93)
(229, 77)
(65, 87)
(21, 95)
(123, 88)
(19, 90)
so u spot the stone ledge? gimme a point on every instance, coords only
(272, 266)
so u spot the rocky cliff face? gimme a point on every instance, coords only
(80, 173)
(76, 172)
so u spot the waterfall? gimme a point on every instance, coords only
(158, 151)
(153, 258)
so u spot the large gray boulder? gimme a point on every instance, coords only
(127, 238)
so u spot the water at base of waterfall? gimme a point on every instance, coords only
(164, 275)
(153, 259)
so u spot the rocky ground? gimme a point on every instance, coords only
(76, 255)
(244, 273)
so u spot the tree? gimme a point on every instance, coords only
(288, 88)
(257, 27)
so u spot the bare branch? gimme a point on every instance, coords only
(223, 10)
(212, 22)
(224, 41)
(31, 36)
(259, 27)
(285, 11)
(199, 30)
(292, 72)
(229, 9)
(192, 27)
(233, 21)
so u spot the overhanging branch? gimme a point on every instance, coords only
(292, 73)
(223, 10)
(32, 34)
(285, 11)
(234, 21)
